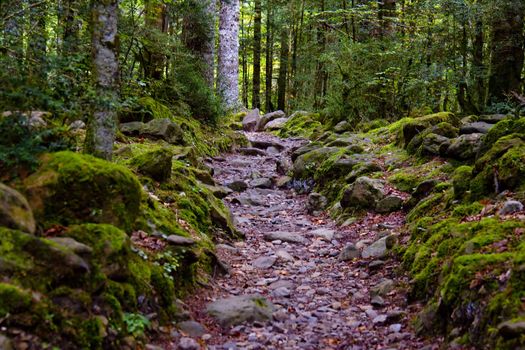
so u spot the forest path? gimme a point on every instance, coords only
(321, 302)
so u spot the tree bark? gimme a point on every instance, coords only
(155, 12)
(105, 49)
(72, 25)
(208, 54)
(228, 70)
(256, 94)
(506, 63)
(283, 70)
(269, 59)
(36, 49)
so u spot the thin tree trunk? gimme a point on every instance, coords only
(155, 12)
(104, 46)
(283, 70)
(228, 72)
(507, 47)
(13, 29)
(256, 94)
(208, 54)
(269, 59)
(36, 49)
(244, 64)
(477, 64)
(72, 25)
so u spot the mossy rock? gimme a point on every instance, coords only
(505, 127)
(307, 164)
(501, 168)
(155, 164)
(13, 299)
(461, 181)
(304, 124)
(410, 128)
(15, 211)
(443, 129)
(71, 188)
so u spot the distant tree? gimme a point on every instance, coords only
(228, 55)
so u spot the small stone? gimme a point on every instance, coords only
(5, 343)
(382, 288)
(264, 262)
(281, 292)
(395, 328)
(180, 241)
(186, 343)
(376, 264)
(77, 125)
(336, 305)
(324, 233)
(349, 252)
(379, 248)
(511, 329)
(237, 186)
(377, 301)
(381, 319)
(510, 207)
(284, 255)
(284, 236)
(237, 310)
(192, 328)
(261, 182)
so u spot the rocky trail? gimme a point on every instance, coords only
(301, 281)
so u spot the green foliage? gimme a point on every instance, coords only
(136, 324)
(20, 145)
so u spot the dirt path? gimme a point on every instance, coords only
(322, 302)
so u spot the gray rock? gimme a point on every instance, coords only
(510, 207)
(186, 343)
(379, 248)
(275, 124)
(262, 182)
(15, 211)
(281, 292)
(316, 203)
(476, 128)
(180, 241)
(219, 191)
(283, 181)
(465, 147)
(252, 151)
(342, 127)
(77, 125)
(492, 118)
(434, 144)
(380, 319)
(324, 233)
(349, 252)
(395, 328)
(250, 120)
(305, 164)
(511, 329)
(264, 262)
(284, 237)
(264, 144)
(382, 288)
(250, 200)
(389, 204)
(241, 309)
(73, 245)
(163, 128)
(363, 193)
(284, 255)
(237, 186)
(192, 328)
(283, 166)
(377, 301)
(36, 122)
(268, 117)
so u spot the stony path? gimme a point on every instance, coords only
(321, 302)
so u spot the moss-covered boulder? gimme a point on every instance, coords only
(461, 181)
(71, 188)
(501, 168)
(155, 164)
(505, 127)
(465, 147)
(364, 193)
(156, 129)
(15, 211)
(306, 164)
(414, 126)
(304, 124)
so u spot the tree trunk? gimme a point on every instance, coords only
(283, 70)
(199, 35)
(256, 94)
(506, 62)
(477, 64)
(244, 64)
(36, 49)
(228, 72)
(13, 29)
(72, 25)
(269, 59)
(105, 49)
(155, 12)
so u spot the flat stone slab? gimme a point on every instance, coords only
(241, 309)
(179, 240)
(284, 237)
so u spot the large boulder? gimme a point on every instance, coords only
(306, 164)
(501, 168)
(413, 127)
(434, 144)
(275, 124)
(268, 117)
(241, 309)
(465, 146)
(15, 211)
(364, 193)
(73, 188)
(155, 164)
(156, 129)
(250, 120)
(505, 127)
(476, 128)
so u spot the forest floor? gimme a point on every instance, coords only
(321, 302)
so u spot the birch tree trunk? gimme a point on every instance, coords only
(228, 72)
(256, 99)
(208, 54)
(104, 48)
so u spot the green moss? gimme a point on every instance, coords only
(302, 124)
(13, 299)
(155, 164)
(505, 127)
(72, 188)
(467, 209)
(405, 181)
(163, 285)
(106, 240)
(461, 181)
